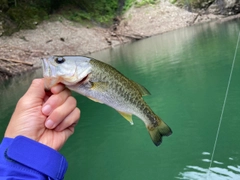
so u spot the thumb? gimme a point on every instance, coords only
(36, 89)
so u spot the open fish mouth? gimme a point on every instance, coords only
(86, 78)
(80, 82)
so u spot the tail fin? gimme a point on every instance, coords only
(157, 131)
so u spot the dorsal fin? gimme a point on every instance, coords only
(141, 89)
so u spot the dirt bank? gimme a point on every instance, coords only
(22, 51)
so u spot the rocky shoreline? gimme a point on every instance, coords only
(22, 51)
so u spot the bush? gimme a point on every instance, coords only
(26, 17)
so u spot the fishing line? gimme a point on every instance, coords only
(223, 106)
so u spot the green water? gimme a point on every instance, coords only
(187, 73)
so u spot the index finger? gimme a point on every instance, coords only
(54, 101)
(58, 88)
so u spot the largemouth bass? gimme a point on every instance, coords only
(102, 83)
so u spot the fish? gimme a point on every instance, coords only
(104, 84)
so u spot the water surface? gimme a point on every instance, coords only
(187, 73)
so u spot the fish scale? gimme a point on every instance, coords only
(102, 83)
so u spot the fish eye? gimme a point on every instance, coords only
(59, 60)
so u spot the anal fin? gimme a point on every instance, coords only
(128, 117)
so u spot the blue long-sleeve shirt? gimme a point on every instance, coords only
(22, 158)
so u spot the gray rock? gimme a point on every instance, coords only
(230, 3)
(225, 7)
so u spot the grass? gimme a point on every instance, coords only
(145, 2)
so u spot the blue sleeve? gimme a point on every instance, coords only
(23, 158)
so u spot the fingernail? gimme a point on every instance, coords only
(46, 109)
(49, 124)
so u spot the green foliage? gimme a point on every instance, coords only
(128, 4)
(75, 14)
(145, 2)
(192, 3)
(101, 11)
(3, 4)
(173, 1)
(26, 16)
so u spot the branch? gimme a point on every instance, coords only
(17, 61)
(134, 36)
(19, 48)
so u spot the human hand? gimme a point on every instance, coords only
(46, 117)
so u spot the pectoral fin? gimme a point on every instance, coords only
(128, 117)
(99, 86)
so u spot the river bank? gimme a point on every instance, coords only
(22, 51)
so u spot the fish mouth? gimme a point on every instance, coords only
(46, 68)
(49, 80)
(84, 80)
(52, 77)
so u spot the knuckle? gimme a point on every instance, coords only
(55, 100)
(72, 101)
(22, 102)
(36, 82)
(57, 116)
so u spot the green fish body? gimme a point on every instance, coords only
(102, 83)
